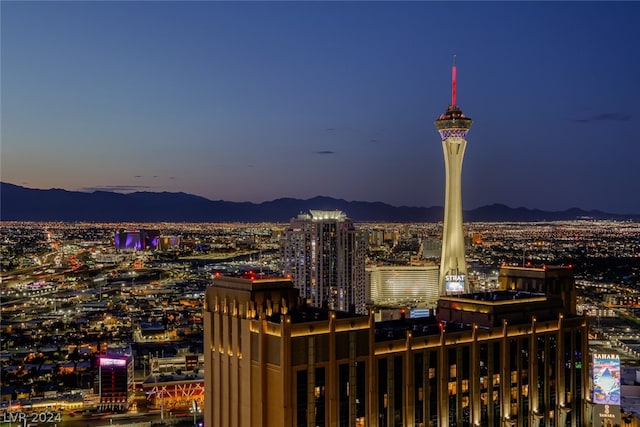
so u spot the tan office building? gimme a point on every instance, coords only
(506, 358)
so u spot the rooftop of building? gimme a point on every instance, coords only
(540, 267)
(498, 297)
(305, 313)
(422, 326)
(323, 215)
(252, 283)
(538, 270)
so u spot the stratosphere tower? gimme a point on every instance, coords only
(453, 127)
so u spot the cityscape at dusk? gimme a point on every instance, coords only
(81, 299)
(252, 101)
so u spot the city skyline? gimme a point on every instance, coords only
(256, 101)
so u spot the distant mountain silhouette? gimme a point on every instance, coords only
(27, 204)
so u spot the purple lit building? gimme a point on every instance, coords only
(137, 240)
(116, 387)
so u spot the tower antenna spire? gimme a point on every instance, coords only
(453, 82)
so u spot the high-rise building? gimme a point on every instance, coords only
(453, 127)
(325, 256)
(499, 359)
(115, 382)
(431, 248)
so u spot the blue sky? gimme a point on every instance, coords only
(252, 101)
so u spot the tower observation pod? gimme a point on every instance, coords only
(453, 127)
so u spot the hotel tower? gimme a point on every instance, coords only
(453, 127)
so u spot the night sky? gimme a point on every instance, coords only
(245, 101)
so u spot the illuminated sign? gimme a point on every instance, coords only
(419, 312)
(606, 379)
(454, 283)
(606, 415)
(106, 361)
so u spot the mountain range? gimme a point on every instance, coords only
(27, 204)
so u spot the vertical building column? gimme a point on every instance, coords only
(534, 401)
(474, 378)
(561, 395)
(519, 367)
(459, 385)
(505, 377)
(225, 395)
(372, 377)
(490, 387)
(443, 381)
(409, 389)
(244, 370)
(331, 379)
(215, 368)
(573, 378)
(586, 368)
(547, 389)
(426, 388)
(234, 368)
(260, 415)
(390, 399)
(208, 364)
(286, 370)
(353, 379)
(311, 381)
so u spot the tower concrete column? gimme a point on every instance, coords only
(453, 127)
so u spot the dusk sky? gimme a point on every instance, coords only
(253, 101)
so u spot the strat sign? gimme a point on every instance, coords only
(454, 283)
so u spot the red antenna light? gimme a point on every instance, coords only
(453, 82)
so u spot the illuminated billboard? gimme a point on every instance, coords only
(606, 379)
(454, 283)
